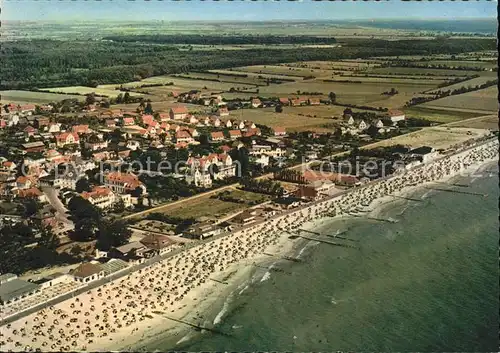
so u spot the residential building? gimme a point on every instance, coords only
(396, 115)
(217, 136)
(279, 131)
(183, 136)
(223, 111)
(234, 134)
(256, 103)
(178, 113)
(13, 289)
(160, 244)
(87, 272)
(314, 101)
(80, 129)
(123, 182)
(67, 138)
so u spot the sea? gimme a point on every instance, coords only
(428, 282)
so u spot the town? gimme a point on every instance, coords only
(120, 201)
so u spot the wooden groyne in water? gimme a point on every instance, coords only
(279, 270)
(216, 280)
(288, 258)
(322, 240)
(457, 191)
(374, 218)
(195, 326)
(406, 198)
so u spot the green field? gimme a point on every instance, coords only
(482, 101)
(438, 115)
(99, 90)
(21, 97)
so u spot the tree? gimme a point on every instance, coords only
(126, 97)
(332, 96)
(278, 109)
(119, 98)
(372, 131)
(90, 99)
(82, 185)
(148, 109)
(112, 234)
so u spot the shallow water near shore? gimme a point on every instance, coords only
(426, 283)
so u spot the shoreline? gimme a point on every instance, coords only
(176, 284)
(375, 209)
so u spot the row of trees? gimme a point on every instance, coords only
(265, 186)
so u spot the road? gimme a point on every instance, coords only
(61, 211)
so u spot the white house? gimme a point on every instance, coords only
(396, 115)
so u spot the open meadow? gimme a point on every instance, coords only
(82, 90)
(213, 207)
(23, 97)
(484, 100)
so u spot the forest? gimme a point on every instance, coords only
(221, 40)
(49, 63)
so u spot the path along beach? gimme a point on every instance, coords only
(121, 313)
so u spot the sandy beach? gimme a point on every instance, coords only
(132, 309)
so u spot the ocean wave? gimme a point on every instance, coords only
(244, 289)
(183, 339)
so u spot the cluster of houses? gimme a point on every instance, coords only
(359, 126)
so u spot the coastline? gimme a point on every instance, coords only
(376, 208)
(192, 269)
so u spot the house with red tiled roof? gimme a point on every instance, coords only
(164, 117)
(284, 101)
(147, 119)
(279, 131)
(123, 182)
(252, 132)
(217, 136)
(128, 121)
(31, 193)
(178, 113)
(183, 136)
(67, 138)
(396, 115)
(160, 244)
(314, 101)
(29, 131)
(8, 165)
(80, 129)
(234, 134)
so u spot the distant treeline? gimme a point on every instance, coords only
(50, 63)
(194, 39)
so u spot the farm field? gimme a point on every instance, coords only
(253, 74)
(242, 82)
(438, 115)
(293, 118)
(23, 97)
(472, 82)
(369, 93)
(467, 63)
(284, 70)
(482, 122)
(484, 100)
(436, 137)
(87, 90)
(421, 71)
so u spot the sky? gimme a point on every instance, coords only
(67, 10)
